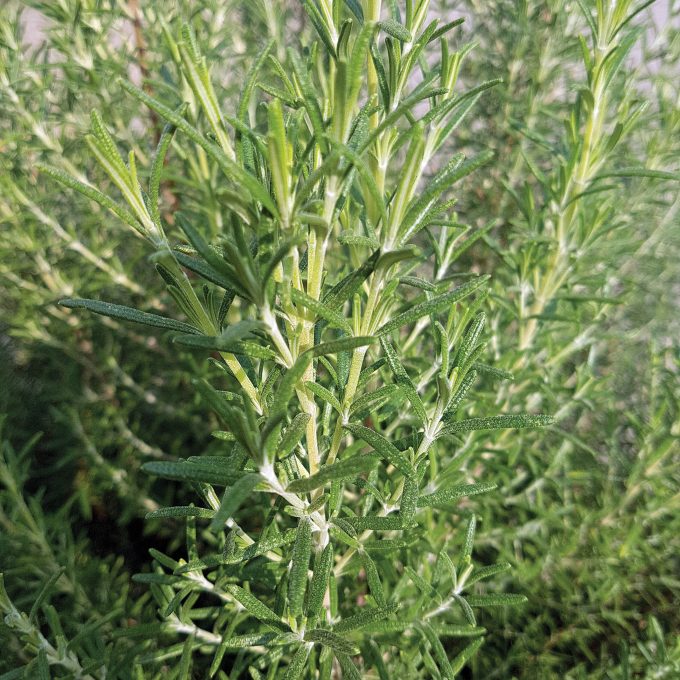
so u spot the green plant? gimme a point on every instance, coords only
(313, 277)
(574, 271)
(262, 266)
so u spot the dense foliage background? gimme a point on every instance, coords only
(586, 510)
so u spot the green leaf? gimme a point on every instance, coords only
(383, 446)
(469, 542)
(442, 30)
(376, 523)
(498, 600)
(243, 285)
(345, 289)
(364, 618)
(341, 345)
(280, 253)
(349, 670)
(437, 649)
(255, 607)
(330, 639)
(486, 572)
(403, 380)
(358, 240)
(288, 384)
(499, 373)
(221, 344)
(367, 400)
(157, 165)
(298, 663)
(357, 62)
(468, 652)
(496, 423)
(324, 394)
(184, 666)
(452, 493)
(95, 195)
(43, 666)
(297, 578)
(181, 511)
(450, 630)
(373, 578)
(320, 25)
(293, 434)
(639, 172)
(45, 592)
(232, 500)
(471, 240)
(229, 167)
(195, 471)
(417, 282)
(251, 79)
(422, 585)
(128, 314)
(432, 306)
(202, 268)
(466, 609)
(263, 546)
(457, 399)
(349, 467)
(323, 311)
(407, 507)
(317, 589)
(396, 30)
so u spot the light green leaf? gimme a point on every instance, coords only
(432, 306)
(403, 380)
(498, 600)
(93, 194)
(255, 607)
(323, 311)
(486, 572)
(317, 590)
(452, 493)
(324, 394)
(364, 618)
(383, 446)
(293, 434)
(229, 167)
(330, 639)
(341, 345)
(437, 649)
(349, 467)
(423, 586)
(396, 30)
(373, 579)
(297, 578)
(349, 670)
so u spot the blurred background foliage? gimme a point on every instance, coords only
(589, 512)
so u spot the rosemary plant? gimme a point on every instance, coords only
(326, 543)
(295, 320)
(571, 235)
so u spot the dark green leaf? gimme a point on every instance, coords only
(128, 314)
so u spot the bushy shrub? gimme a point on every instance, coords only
(372, 394)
